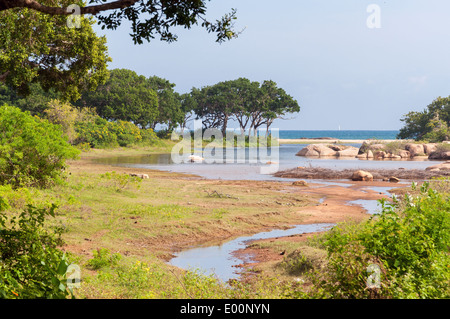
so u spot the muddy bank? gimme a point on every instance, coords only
(378, 174)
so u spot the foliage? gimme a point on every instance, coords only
(103, 258)
(431, 124)
(409, 246)
(125, 96)
(170, 110)
(100, 133)
(64, 114)
(36, 102)
(38, 47)
(32, 266)
(32, 150)
(147, 18)
(249, 103)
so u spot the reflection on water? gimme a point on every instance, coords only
(371, 206)
(251, 169)
(219, 260)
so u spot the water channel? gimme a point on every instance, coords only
(218, 259)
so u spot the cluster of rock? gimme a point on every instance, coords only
(439, 167)
(377, 151)
(322, 150)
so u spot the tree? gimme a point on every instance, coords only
(435, 117)
(275, 104)
(148, 17)
(38, 47)
(37, 44)
(32, 150)
(170, 112)
(126, 96)
(187, 107)
(215, 105)
(249, 103)
(36, 102)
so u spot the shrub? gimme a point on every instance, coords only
(31, 265)
(409, 246)
(32, 150)
(103, 258)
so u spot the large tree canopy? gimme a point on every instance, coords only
(148, 17)
(52, 41)
(125, 96)
(251, 104)
(431, 124)
(36, 47)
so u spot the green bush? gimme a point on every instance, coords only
(410, 247)
(103, 258)
(31, 264)
(101, 133)
(32, 150)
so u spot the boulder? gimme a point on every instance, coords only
(308, 151)
(393, 179)
(300, 183)
(440, 155)
(439, 167)
(362, 156)
(415, 149)
(429, 148)
(369, 154)
(404, 154)
(379, 155)
(317, 150)
(362, 176)
(195, 159)
(349, 152)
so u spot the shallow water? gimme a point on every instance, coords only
(286, 159)
(219, 260)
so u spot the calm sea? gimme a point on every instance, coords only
(342, 135)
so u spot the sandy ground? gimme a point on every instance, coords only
(334, 209)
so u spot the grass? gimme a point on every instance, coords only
(105, 212)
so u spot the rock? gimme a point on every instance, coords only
(317, 150)
(142, 176)
(440, 155)
(362, 176)
(300, 183)
(393, 179)
(379, 155)
(308, 151)
(429, 148)
(404, 154)
(415, 149)
(369, 154)
(362, 156)
(195, 159)
(349, 152)
(439, 167)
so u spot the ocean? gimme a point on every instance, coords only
(341, 135)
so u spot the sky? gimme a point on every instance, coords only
(343, 73)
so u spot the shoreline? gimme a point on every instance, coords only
(327, 141)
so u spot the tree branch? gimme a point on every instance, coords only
(94, 9)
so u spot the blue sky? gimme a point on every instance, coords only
(321, 52)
